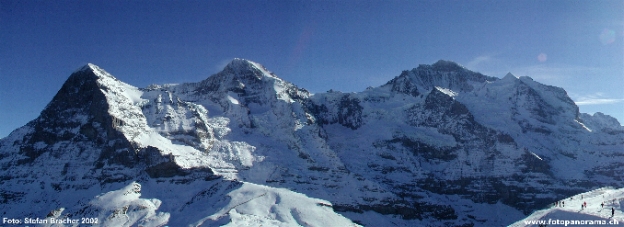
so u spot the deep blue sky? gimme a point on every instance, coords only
(343, 45)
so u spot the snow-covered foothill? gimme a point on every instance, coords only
(244, 204)
(257, 205)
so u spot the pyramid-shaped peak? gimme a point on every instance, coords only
(89, 67)
(94, 69)
(239, 62)
(239, 65)
(244, 68)
(510, 76)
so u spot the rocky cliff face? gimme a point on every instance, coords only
(438, 145)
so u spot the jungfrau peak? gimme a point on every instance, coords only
(437, 145)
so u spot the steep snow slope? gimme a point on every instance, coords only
(437, 145)
(95, 137)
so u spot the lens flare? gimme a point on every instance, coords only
(607, 36)
(542, 57)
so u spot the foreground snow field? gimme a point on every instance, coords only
(245, 204)
(600, 203)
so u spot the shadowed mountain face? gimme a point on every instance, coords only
(438, 144)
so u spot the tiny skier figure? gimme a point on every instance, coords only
(612, 211)
(602, 205)
(562, 203)
(585, 204)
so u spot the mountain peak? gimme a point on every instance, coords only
(601, 121)
(250, 81)
(444, 65)
(91, 68)
(510, 76)
(239, 62)
(445, 74)
(87, 67)
(230, 139)
(247, 69)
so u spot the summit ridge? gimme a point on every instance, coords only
(437, 145)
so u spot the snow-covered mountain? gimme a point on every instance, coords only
(437, 145)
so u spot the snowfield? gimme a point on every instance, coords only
(598, 211)
(246, 205)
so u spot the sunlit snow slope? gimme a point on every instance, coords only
(604, 207)
(438, 145)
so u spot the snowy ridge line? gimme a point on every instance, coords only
(437, 145)
(239, 204)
